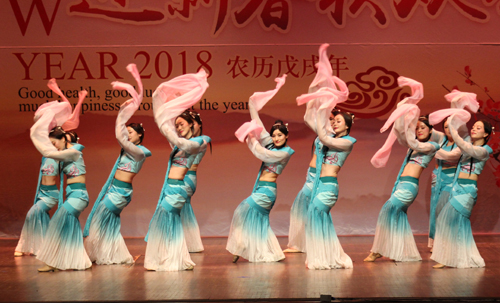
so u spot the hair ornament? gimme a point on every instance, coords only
(143, 129)
(493, 130)
(194, 115)
(280, 123)
(57, 128)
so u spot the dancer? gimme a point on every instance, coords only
(250, 235)
(447, 158)
(166, 249)
(442, 179)
(47, 194)
(393, 235)
(105, 244)
(37, 219)
(63, 244)
(323, 247)
(189, 222)
(454, 244)
(298, 212)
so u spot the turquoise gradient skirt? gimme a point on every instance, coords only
(322, 244)
(250, 235)
(393, 235)
(189, 222)
(166, 249)
(105, 244)
(37, 220)
(441, 187)
(298, 214)
(454, 244)
(63, 245)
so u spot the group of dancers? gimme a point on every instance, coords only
(173, 231)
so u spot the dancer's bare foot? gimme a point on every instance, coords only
(439, 266)
(372, 257)
(47, 268)
(292, 250)
(18, 254)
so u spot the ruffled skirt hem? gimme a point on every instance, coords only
(454, 244)
(63, 244)
(393, 235)
(324, 250)
(166, 249)
(34, 230)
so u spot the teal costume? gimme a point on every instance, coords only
(250, 235)
(454, 244)
(105, 244)
(37, 220)
(393, 235)
(63, 245)
(189, 222)
(166, 249)
(324, 250)
(298, 212)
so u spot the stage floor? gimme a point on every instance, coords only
(215, 278)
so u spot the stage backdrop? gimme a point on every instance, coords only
(244, 45)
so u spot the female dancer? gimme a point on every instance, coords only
(47, 194)
(250, 235)
(454, 244)
(447, 159)
(189, 222)
(323, 247)
(63, 244)
(105, 244)
(442, 179)
(393, 235)
(166, 249)
(37, 219)
(298, 212)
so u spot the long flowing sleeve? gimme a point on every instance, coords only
(39, 134)
(449, 156)
(406, 113)
(74, 119)
(322, 79)
(127, 110)
(257, 101)
(324, 129)
(437, 136)
(248, 128)
(171, 98)
(459, 101)
(311, 114)
(263, 154)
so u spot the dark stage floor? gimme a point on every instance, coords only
(216, 279)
